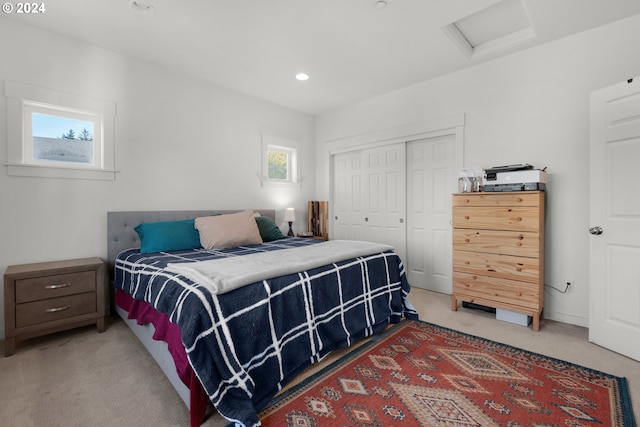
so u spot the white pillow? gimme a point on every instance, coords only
(228, 231)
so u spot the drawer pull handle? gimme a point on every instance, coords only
(56, 309)
(466, 217)
(467, 240)
(58, 286)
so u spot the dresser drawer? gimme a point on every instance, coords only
(501, 291)
(523, 244)
(499, 266)
(528, 198)
(523, 218)
(58, 285)
(32, 313)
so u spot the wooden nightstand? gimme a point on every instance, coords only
(47, 297)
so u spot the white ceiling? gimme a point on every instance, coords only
(351, 49)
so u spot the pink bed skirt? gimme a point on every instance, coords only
(142, 312)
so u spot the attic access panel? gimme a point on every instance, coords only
(494, 27)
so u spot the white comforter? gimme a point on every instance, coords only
(224, 275)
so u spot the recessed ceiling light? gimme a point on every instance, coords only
(141, 7)
(381, 4)
(302, 77)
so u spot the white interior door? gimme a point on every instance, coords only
(430, 171)
(614, 274)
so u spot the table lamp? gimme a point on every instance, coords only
(290, 217)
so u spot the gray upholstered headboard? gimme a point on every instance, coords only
(121, 234)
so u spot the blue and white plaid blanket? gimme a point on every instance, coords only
(245, 345)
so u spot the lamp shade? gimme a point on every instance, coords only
(290, 215)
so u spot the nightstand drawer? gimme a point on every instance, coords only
(39, 288)
(32, 313)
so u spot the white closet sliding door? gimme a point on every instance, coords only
(430, 171)
(348, 207)
(370, 196)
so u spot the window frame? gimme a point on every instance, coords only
(23, 100)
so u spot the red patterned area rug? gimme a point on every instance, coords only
(420, 374)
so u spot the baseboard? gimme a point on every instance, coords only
(567, 318)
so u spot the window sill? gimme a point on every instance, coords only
(271, 183)
(20, 169)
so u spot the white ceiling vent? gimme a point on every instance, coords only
(498, 26)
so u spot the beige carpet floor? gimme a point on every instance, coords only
(83, 378)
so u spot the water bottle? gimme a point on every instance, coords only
(464, 185)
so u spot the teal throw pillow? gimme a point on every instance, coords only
(168, 236)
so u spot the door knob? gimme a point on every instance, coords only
(596, 231)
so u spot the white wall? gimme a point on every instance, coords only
(180, 144)
(531, 107)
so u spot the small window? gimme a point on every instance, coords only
(280, 161)
(59, 135)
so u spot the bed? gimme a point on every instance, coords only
(236, 345)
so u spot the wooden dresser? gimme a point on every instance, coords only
(498, 251)
(48, 297)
